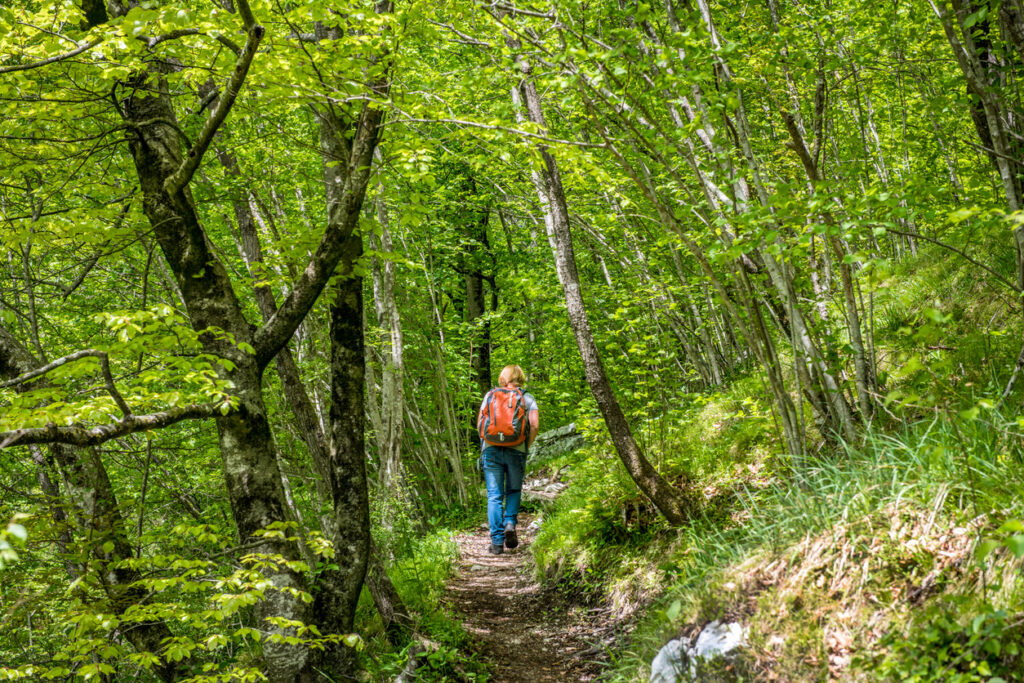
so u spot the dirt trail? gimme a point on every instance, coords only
(527, 633)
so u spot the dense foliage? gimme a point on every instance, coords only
(263, 258)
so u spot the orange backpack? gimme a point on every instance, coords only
(502, 420)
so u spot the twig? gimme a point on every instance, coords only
(77, 355)
(153, 41)
(91, 263)
(988, 150)
(958, 252)
(1013, 378)
(506, 129)
(50, 60)
(502, 7)
(466, 38)
(42, 370)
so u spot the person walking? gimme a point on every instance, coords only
(508, 422)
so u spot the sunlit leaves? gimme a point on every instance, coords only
(157, 363)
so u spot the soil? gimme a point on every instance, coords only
(525, 632)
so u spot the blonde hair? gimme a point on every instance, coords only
(512, 374)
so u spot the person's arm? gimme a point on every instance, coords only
(534, 417)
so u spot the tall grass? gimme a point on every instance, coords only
(951, 469)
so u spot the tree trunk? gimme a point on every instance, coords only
(479, 250)
(392, 399)
(98, 513)
(246, 442)
(993, 117)
(381, 589)
(397, 619)
(337, 594)
(669, 501)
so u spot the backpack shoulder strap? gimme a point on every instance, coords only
(483, 405)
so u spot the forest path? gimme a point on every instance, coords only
(526, 633)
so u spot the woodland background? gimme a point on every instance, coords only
(262, 258)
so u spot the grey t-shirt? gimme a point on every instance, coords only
(530, 403)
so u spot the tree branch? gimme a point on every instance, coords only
(466, 38)
(502, 7)
(342, 218)
(505, 129)
(85, 353)
(959, 253)
(248, 20)
(80, 435)
(153, 41)
(43, 369)
(183, 175)
(50, 60)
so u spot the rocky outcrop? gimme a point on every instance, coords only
(555, 442)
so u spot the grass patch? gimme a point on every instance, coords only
(603, 539)
(854, 554)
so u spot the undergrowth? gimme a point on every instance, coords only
(893, 558)
(870, 551)
(859, 563)
(420, 557)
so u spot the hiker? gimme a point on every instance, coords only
(507, 423)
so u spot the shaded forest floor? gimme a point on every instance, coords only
(524, 631)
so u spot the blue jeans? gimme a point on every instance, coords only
(503, 472)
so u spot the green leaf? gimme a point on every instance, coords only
(1011, 525)
(1016, 545)
(353, 640)
(985, 548)
(974, 17)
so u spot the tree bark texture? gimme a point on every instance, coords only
(338, 591)
(249, 455)
(391, 428)
(997, 123)
(669, 501)
(478, 252)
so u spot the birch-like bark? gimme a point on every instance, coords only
(669, 501)
(392, 394)
(862, 367)
(994, 116)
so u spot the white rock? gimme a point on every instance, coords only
(678, 658)
(717, 639)
(668, 664)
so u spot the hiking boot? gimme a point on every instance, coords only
(496, 549)
(511, 540)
